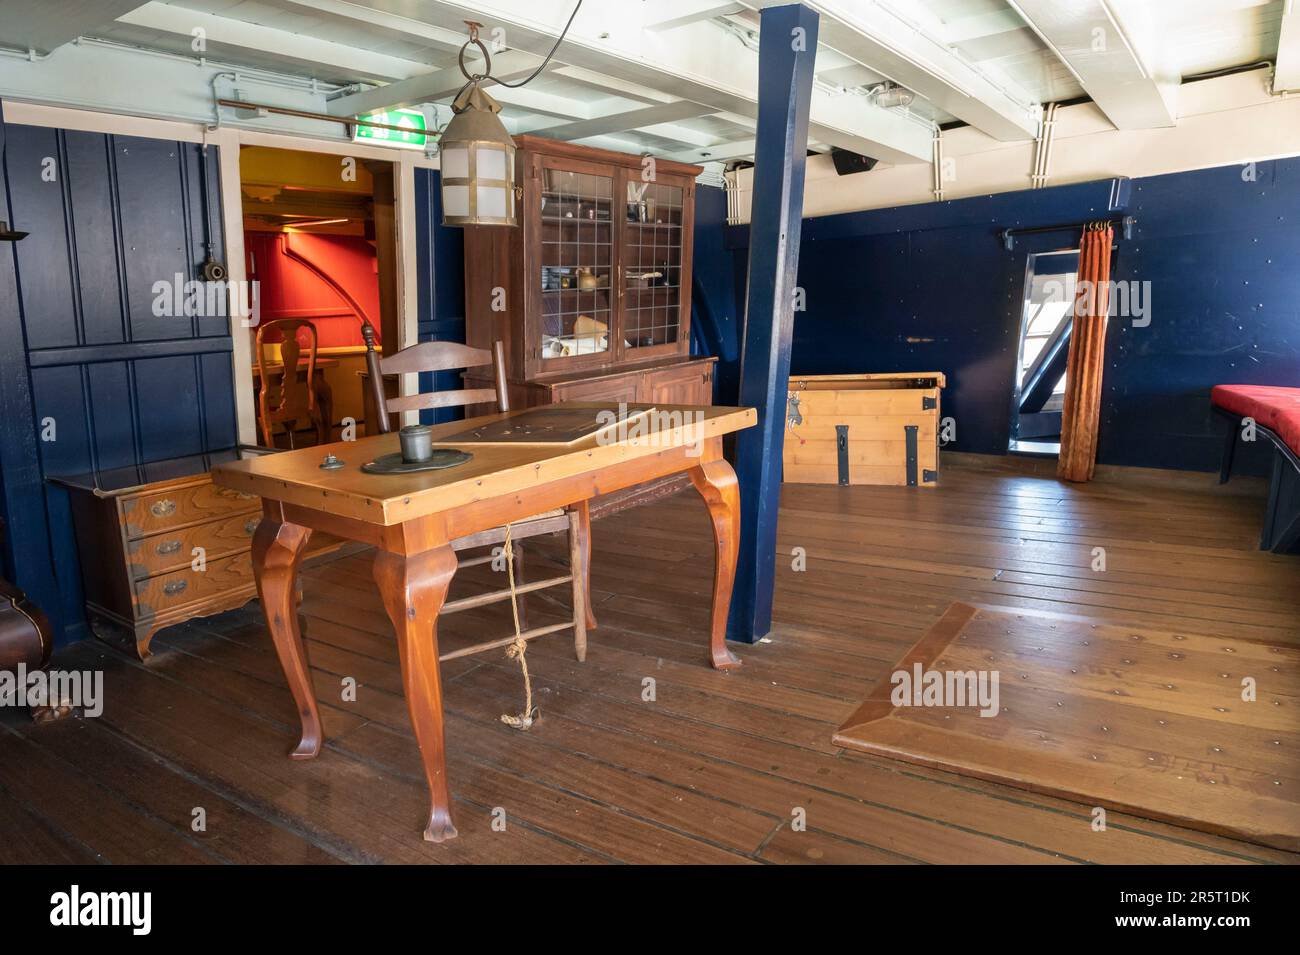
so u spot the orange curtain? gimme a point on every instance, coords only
(1083, 369)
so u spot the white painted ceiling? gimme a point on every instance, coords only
(986, 62)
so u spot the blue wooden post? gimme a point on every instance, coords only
(787, 50)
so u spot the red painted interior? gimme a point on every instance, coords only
(330, 280)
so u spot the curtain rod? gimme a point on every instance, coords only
(1007, 236)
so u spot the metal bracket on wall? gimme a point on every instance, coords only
(928, 403)
(910, 432)
(928, 476)
(842, 451)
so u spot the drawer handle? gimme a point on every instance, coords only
(251, 525)
(173, 587)
(167, 547)
(235, 495)
(163, 508)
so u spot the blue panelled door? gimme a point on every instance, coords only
(114, 373)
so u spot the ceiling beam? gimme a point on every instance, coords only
(390, 26)
(45, 25)
(719, 152)
(429, 87)
(1114, 54)
(1286, 75)
(671, 14)
(624, 121)
(914, 56)
(226, 33)
(978, 26)
(697, 62)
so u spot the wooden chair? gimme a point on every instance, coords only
(445, 356)
(282, 398)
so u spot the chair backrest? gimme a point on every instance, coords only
(286, 398)
(433, 356)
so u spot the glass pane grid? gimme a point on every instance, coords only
(652, 244)
(577, 253)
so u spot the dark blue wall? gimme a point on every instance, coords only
(715, 319)
(122, 385)
(930, 287)
(440, 267)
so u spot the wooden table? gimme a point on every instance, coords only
(412, 519)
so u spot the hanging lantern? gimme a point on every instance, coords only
(478, 156)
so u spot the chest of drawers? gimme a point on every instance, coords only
(162, 544)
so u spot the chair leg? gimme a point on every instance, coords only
(1229, 450)
(577, 568)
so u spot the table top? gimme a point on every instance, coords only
(495, 470)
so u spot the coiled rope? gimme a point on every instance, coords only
(516, 650)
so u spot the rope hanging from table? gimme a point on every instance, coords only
(517, 650)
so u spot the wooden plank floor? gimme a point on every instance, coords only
(716, 767)
(1148, 721)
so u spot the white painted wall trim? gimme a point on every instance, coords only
(230, 139)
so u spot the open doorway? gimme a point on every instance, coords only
(1044, 349)
(320, 248)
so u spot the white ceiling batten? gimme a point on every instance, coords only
(671, 14)
(42, 26)
(226, 34)
(887, 39)
(645, 117)
(1286, 75)
(1113, 52)
(695, 62)
(430, 87)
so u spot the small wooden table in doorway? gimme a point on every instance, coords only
(411, 520)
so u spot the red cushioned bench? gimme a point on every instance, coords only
(1275, 412)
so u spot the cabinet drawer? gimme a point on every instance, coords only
(174, 550)
(682, 385)
(167, 591)
(622, 388)
(179, 506)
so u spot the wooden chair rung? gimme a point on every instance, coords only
(482, 600)
(504, 641)
(521, 530)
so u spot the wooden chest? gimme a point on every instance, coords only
(162, 544)
(863, 429)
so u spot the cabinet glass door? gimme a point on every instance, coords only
(577, 255)
(652, 222)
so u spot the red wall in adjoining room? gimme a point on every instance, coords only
(294, 285)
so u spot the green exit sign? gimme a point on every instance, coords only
(412, 133)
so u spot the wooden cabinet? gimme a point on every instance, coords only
(162, 544)
(591, 293)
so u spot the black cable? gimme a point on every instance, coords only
(558, 41)
(532, 76)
